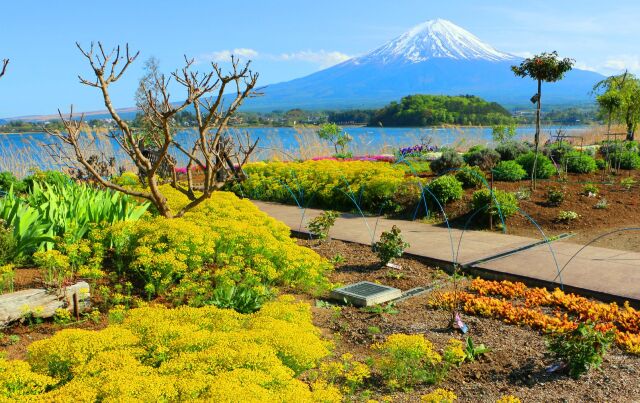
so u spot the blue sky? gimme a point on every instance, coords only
(287, 39)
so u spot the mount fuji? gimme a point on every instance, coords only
(435, 57)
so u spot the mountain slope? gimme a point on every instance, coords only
(436, 57)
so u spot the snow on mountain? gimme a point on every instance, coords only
(434, 39)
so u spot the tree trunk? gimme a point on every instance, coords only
(631, 130)
(42, 303)
(537, 137)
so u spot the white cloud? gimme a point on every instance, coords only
(584, 66)
(623, 62)
(225, 55)
(524, 54)
(322, 57)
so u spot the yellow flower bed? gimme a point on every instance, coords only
(324, 183)
(158, 354)
(241, 244)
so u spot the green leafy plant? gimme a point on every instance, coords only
(7, 276)
(448, 160)
(446, 188)
(62, 316)
(389, 309)
(321, 225)
(471, 176)
(473, 351)
(590, 190)
(555, 196)
(511, 150)
(337, 259)
(390, 246)
(523, 194)
(8, 244)
(567, 216)
(544, 167)
(580, 349)
(580, 163)
(509, 171)
(9, 181)
(627, 183)
(482, 157)
(504, 202)
(54, 267)
(243, 299)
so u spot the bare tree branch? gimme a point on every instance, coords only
(3, 70)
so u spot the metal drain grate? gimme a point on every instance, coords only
(366, 293)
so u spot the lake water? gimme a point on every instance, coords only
(21, 152)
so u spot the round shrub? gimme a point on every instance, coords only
(544, 166)
(406, 197)
(509, 171)
(9, 180)
(600, 163)
(628, 160)
(510, 150)
(448, 160)
(507, 201)
(470, 177)
(445, 188)
(580, 163)
(557, 151)
(483, 157)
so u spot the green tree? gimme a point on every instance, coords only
(336, 136)
(502, 133)
(547, 67)
(620, 99)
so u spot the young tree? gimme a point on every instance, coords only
(547, 67)
(217, 154)
(336, 136)
(620, 99)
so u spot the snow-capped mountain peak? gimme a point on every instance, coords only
(435, 39)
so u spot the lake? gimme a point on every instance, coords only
(21, 152)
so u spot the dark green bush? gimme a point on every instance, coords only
(445, 188)
(555, 196)
(8, 179)
(448, 160)
(544, 167)
(510, 150)
(557, 151)
(509, 171)
(507, 201)
(482, 157)
(471, 177)
(600, 163)
(406, 197)
(580, 163)
(627, 160)
(580, 349)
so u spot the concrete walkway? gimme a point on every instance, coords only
(605, 273)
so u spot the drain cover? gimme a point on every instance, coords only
(366, 293)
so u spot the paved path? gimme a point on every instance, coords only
(598, 271)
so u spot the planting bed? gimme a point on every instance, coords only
(518, 360)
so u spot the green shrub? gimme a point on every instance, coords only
(544, 166)
(449, 159)
(7, 244)
(321, 225)
(9, 180)
(471, 177)
(390, 246)
(558, 151)
(627, 160)
(580, 349)
(601, 164)
(407, 196)
(54, 178)
(590, 189)
(555, 196)
(507, 202)
(446, 188)
(567, 216)
(509, 171)
(242, 298)
(482, 157)
(580, 163)
(511, 150)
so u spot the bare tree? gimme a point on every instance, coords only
(3, 70)
(218, 155)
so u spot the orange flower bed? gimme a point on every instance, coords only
(517, 304)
